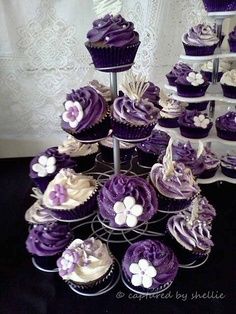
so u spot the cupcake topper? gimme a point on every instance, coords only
(37, 194)
(194, 211)
(103, 7)
(134, 86)
(200, 148)
(168, 161)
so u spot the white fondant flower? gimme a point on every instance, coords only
(201, 121)
(44, 166)
(127, 212)
(195, 78)
(143, 272)
(73, 114)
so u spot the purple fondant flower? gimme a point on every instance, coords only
(67, 263)
(59, 195)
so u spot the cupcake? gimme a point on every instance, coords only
(219, 5)
(127, 201)
(200, 40)
(86, 116)
(194, 124)
(200, 106)
(228, 84)
(83, 154)
(86, 264)
(170, 112)
(174, 183)
(133, 117)
(106, 148)
(150, 149)
(228, 165)
(191, 84)
(178, 69)
(211, 164)
(207, 69)
(103, 90)
(226, 126)
(112, 43)
(206, 212)
(46, 165)
(37, 214)
(149, 266)
(232, 39)
(70, 195)
(46, 242)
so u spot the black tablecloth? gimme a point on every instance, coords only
(24, 289)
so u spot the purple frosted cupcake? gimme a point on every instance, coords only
(232, 39)
(200, 106)
(226, 126)
(103, 90)
(228, 165)
(70, 195)
(149, 266)
(177, 70)
(201, 40)
(228, 84)
(206, 212)
(46, 242)
(194, 124)
(150, 149)
(46, 165)
(112, 42)
(191, 84)
(86, 265)
(219, 5)
(86, 116)
(126, 201)
(211, 164)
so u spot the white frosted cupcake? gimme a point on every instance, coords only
(228, 83)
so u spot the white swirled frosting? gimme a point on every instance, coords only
(229, 78)
(75, 148)
(171, 108)
(224, 66)
(78, 187)
(37, 214)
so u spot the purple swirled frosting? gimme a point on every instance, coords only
(227, 121)
(93, 106)
(232, 35)
(210, 159)
(187, 118)
(179, 184)
(158, 255)
(179, 69)
(193, 236)
(134, 112)
(121, 186)
(113, 31)
(229, 161)
(62, 161)
(48, 239)
(185, 153)
(152, 93)
(200, 35)
(206, 212)
(156, 143)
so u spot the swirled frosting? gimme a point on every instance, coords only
(75, 148)
(156, 143)
(193, 236)
(229, 78)
(118, 188)
(92, 104)
(134, 112)
(48, 239)
(113, 31)
(200, 35)
(158, 255)
(102, 90)
(78, 187)
(206, 212)
(171, 108)
(224, 66)
(37, 214)
(84, 261)
(178, 69)
(108, 141)
(232, 35)
(210, 159)
(229, 161)
(188, 119)
(61, 161)
(152, 93)
(227, 121)
(179, 184)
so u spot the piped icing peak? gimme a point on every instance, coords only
(134, 86)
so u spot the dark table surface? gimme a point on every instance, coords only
(24, 289)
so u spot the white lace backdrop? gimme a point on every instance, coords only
(42, 56)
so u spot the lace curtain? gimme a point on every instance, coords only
(42, 57)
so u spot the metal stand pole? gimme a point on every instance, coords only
(116, 144)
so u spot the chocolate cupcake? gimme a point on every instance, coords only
(226, 126)
(228, 165)
(191, 84)
(211, 164)
(178, 69)
(228, 84)
(112, 43)
(232, 39)
(219, 5)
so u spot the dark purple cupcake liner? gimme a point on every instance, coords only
(191, 91)
(226, 134)
(200, 106)
(84, 163)
(229, 91)
(208, 75)
(208, 173)
(194, 132)
(199, 51)
(129, 132)
(107, 153)
(228, 172)
(232, 45)
(146, 159)
(42, 183)
(219, 5)
(168, 122)
(47, 263)
(108, 57)
(171, 79)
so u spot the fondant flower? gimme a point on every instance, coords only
(73, 114)
(127, 212)
(59, 195)
(44, 166)
(67, 263)
(143, 273)
(195, 78)
(201, 121)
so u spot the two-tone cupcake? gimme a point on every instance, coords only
(226, 126)
(228, 84)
